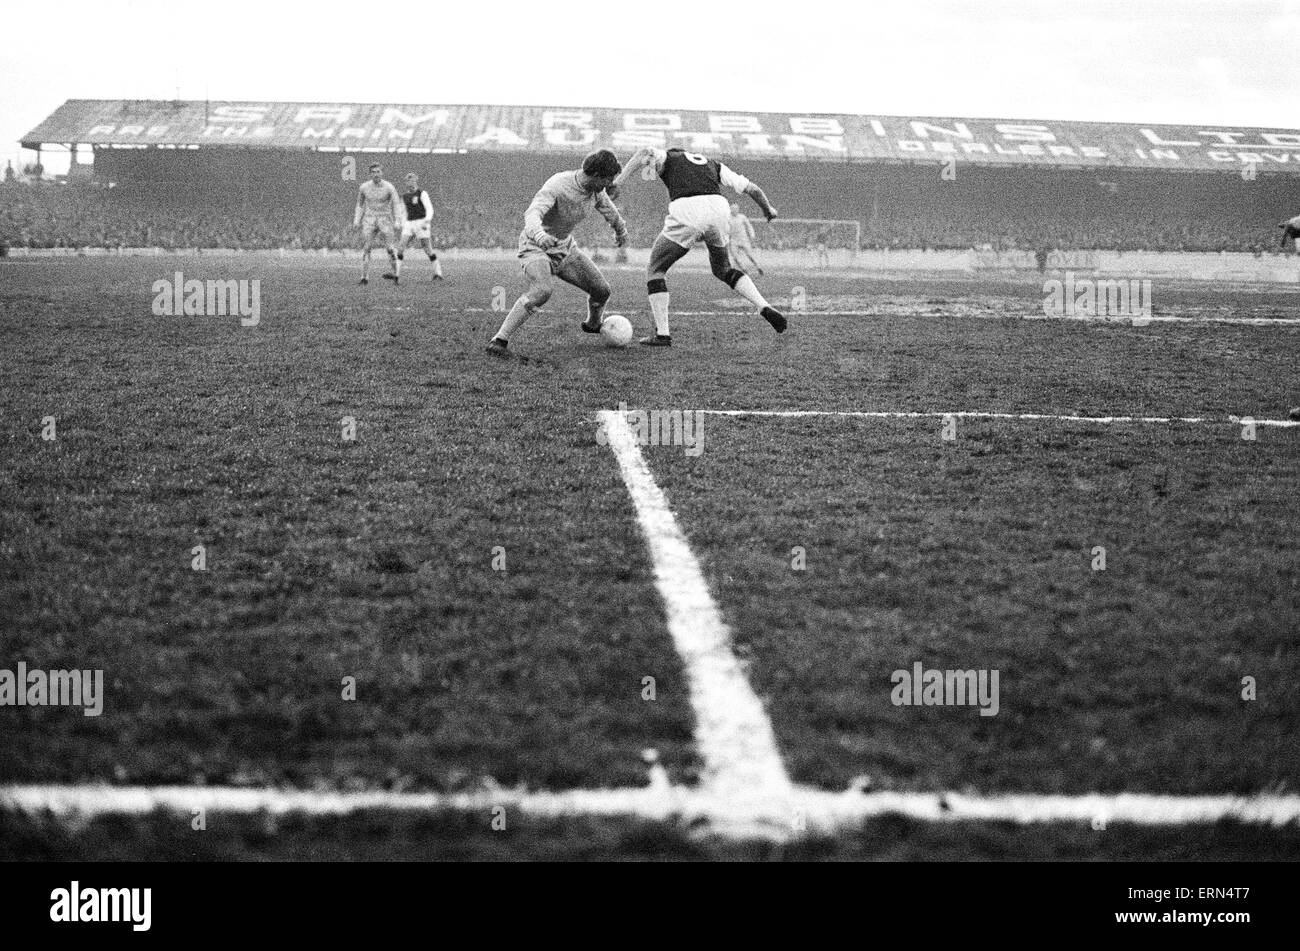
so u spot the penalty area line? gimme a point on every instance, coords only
(732, 730)
(1032, 417)
(801, 810)
(1081, 319)
(1084, 319)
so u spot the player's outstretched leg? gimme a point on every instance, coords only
(581, 271)
(743, 284)
(665, 253)
(365, 261)
(538, 272)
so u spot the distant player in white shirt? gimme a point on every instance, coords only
(547, 248)
(742, 239)
(419, 216)
(696, 212)
(1291, 232)
(379, 209)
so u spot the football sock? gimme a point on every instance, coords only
(747, 289)
(437, 265)
(396, 261)
(659, 308)
(593, 311)
(518, 314)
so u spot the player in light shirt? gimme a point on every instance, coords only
(547, 248)
(379, 209)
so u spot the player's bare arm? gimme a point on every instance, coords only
(609, 211)
(634, 165)
(640, 159)
(760, 199)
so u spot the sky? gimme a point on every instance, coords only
(1226, 62)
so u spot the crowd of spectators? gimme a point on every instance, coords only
(894, 213)
(49, 215)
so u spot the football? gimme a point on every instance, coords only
(617, 330)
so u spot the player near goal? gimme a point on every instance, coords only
(1291, 232)
(379, 208)
(419, 216)
(697, 211)
(547, 248)
(742, 239)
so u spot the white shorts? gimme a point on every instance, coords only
(419, 228)
(704, 218)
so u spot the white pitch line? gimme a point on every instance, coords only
(1118, 321)
(801, 809)
(732, 731)
(972, 414)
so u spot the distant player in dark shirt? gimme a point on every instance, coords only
(697, 211)
(419, 216)
(1291, 232)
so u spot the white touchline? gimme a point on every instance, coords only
(732, 731)
(816, 810)
(1117, 321)
(974, 414)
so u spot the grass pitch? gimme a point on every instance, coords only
(380, 558)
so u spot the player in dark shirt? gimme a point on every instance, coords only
(697, 211)
(1291, 232)
(419, 216)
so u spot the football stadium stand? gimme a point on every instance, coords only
(284, 175)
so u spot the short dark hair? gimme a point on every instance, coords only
(602, 164)
(375, 165)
